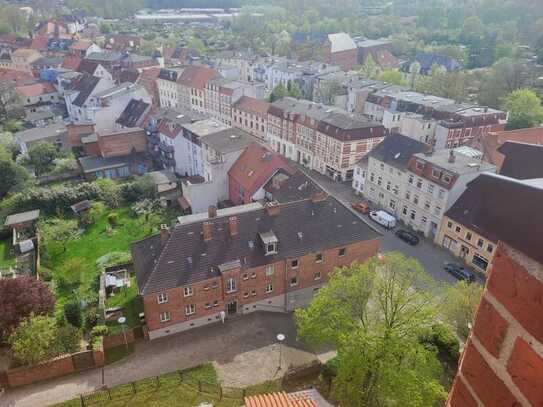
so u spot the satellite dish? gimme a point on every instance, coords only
(121, 320)
(281, 337)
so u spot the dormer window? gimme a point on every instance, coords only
(270, 242)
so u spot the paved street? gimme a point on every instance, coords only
(244, 352)
(430, 256)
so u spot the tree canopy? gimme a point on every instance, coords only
(524, 108)
(374, 316)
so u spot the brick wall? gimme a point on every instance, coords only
(251, 284)
(111, 341)
(502, 364)
(54, 368)
(124, 143)
(75, 131)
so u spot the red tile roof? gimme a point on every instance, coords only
(250, 104)
(385, 59)
(71, 62)
(81, 45)
(35, 89)
(10, 75)
(196, 76)
(278, 400)
(255, 166)
(39, 43)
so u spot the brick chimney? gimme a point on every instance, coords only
(233, 225)
(164, 234)
(452, 157)
(319, 196)
(273, 208)
(207, 231)
(212, 212)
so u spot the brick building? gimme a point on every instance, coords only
(502, 364)
(245, 259)
(326, 139)
(340, 49)
(251, 115)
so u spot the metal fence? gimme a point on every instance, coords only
(173, 380)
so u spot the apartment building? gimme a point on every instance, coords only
(244, 259)
(434, 182)
(382, 175)
(251, 115)
(220, 95)
(167, 88)
(437, 121)
(191, 87)
(22, 58)
(326, 139)
(77, 96)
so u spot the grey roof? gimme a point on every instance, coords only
(96, 163)
(133, 113)
(522, 160)
(503, 209)
(204, 127)
(105, 56)
(41, 133)
(22, 217)
(163, 177)
(229, 140)
(291, 187)
(462, 164)
(186, 258)
(341, 42)
(396, 150)
(85, 86)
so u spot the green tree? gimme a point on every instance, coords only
(327, 91)
(392, 76)
(473, 30)
(374, 315)
(505, 76)
(460, 301)
(106, 28)
(524, 108)
(277, 93)
(369, 69)
(293, 90)
(12, 175)
(60, 231)
(39, 338)
(42, 156)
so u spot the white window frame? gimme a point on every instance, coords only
(269, 288)
(190, 309)
(188, 291)
(231, 286)
(165, 316)
(269, 270)
(162, 298)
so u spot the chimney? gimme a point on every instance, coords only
(207, 231)
(273, 208)
(233, 225)
(212, 212)
(452, 157)
(164, 234)
(319, 196)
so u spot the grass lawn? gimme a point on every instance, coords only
(6, 260)
(118, 352)
(127, 298)
(94, 243)
(171, 390)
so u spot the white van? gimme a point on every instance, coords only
(383, 219)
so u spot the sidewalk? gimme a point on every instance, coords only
(244, 352)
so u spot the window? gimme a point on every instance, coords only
(430, 189)
(416, 199)
(342, 251)
(413, 214)
(423, 219)
(437, 210)
(253, 274)
(165, 316)
(441, 193)
(294, 281)
(294, 263)
(458, 229)
(269, 270)
(436, 173)
(318, 258)
(420, 165)
(382, 166)
(490, 248)
(411, 179)
(446, 179)
(253, 293)
(389, 184)
(208, 305)
(190, 309)
(271, 248)
(187, 291)
(468, 235)
(419, 183)
(215, 303)
(427, 204)
(269, 288)
(317, 275)
(392, 204)
(162, 298)
(246, 294)
(230, 285)
(379, 181)
(404, 210)
(246, 276)
(407, 195)
(449, 225)
(480, 243)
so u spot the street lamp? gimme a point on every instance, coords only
(122, 321)
(280, 338)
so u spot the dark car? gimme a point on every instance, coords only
(459, 272)
(408, 237)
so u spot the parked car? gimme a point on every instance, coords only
(383, 218)
(361, 207)
(408, 237)
(459, 272)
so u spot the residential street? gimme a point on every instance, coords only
(430, 256)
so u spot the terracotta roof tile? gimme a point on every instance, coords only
(196, 76)
(35, 89)
(250, 104)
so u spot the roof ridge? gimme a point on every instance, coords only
(157, 262)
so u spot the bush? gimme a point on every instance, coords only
(113, 219)
(72, 312)
(91, 317)
(444, 339)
